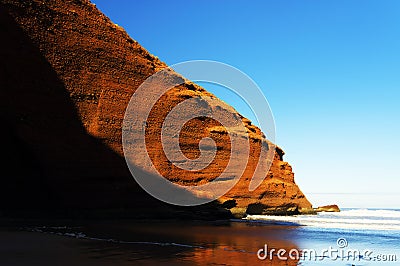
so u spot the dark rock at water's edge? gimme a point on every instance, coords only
(288, 209)
(328, 208)
(67, 74)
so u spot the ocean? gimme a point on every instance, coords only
(351, 237)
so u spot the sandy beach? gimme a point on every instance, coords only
(147, 243)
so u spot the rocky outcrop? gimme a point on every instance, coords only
(278, 194)
(328, 208)
(68, 74)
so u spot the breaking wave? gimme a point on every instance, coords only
(363, 219)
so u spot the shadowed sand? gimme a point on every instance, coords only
(133, 243)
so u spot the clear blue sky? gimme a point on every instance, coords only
(329, 69)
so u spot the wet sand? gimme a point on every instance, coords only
(143, 243)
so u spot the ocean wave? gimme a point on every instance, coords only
(362, 219)
(395, 214)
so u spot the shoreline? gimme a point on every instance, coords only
(177, 242)
(144, 243)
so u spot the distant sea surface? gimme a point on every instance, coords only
(351, 237)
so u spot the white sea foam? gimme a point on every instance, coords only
(366, 213)
(362, 219)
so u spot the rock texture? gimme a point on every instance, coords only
(67, 75)
(328, 208)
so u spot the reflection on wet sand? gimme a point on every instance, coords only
(188, 244)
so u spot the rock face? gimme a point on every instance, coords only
(67, 76)
(328, 208)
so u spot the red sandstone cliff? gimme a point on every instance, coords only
(67, 76)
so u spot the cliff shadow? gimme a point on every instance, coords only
(51, 163)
